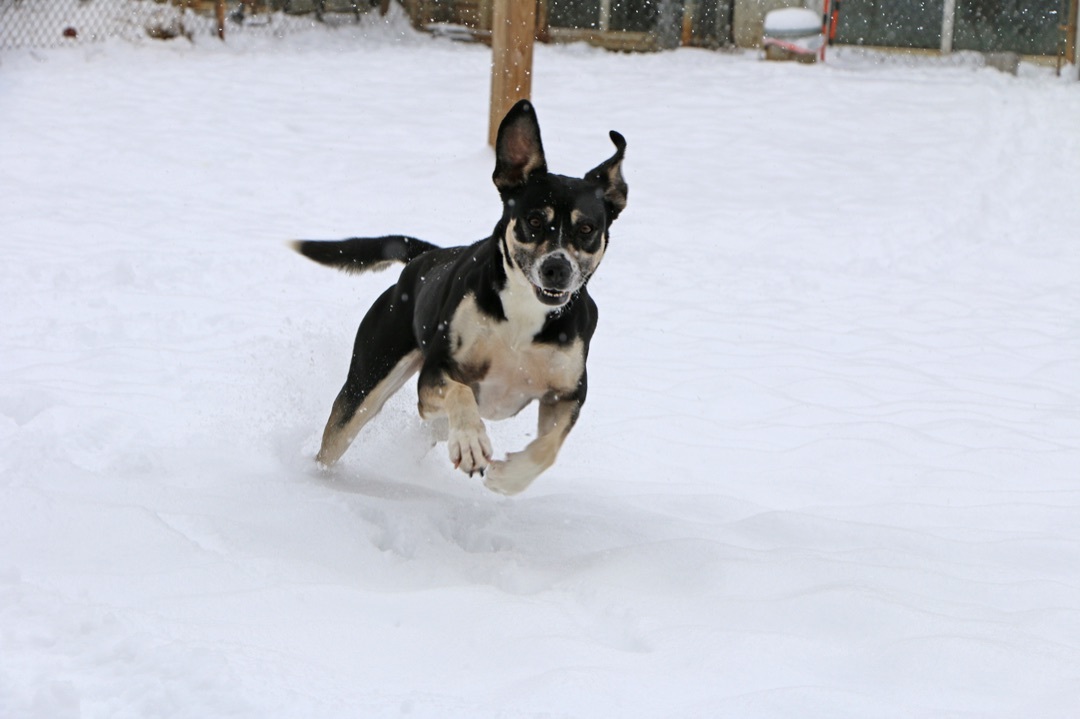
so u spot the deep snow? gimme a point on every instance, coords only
(828, 465)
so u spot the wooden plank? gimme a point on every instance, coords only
(513, 30)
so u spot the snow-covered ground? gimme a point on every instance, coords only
(829, 465)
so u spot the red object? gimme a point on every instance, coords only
(71, 32)
(830, 18)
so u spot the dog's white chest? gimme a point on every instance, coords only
(515, 379)
(513, 370)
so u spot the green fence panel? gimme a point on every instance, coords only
(581, 14)
(891, 23)
(713, 23)
(633, 15)
(1029, 27)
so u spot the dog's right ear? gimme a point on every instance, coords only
(518, 150)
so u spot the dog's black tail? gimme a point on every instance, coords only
(363, 254)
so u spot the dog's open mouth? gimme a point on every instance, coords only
(552, 297)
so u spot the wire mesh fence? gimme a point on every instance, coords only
(53, 23)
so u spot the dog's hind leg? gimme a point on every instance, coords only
(385, 356)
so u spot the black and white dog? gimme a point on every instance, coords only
(491, 326)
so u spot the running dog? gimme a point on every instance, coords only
(491, 326)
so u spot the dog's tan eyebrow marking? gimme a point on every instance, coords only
(547, 211)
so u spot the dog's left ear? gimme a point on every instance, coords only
(518, 150)
(609, 176)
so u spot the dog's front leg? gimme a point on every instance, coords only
(467, 440)
(519, 469)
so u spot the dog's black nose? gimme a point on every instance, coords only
(556, 272)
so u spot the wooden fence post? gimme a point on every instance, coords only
(219, 15)
(513, 30)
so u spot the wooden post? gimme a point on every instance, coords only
(513, 30)
(543, 17)
(689, 10)
(219, 12)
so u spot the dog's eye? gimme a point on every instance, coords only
(585, 230)
(536, 222)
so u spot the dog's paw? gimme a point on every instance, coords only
(512, 475)
(470, 448)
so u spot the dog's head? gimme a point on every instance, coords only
(556, 227)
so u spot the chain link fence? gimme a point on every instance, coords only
(55, 23)
(52, 23)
